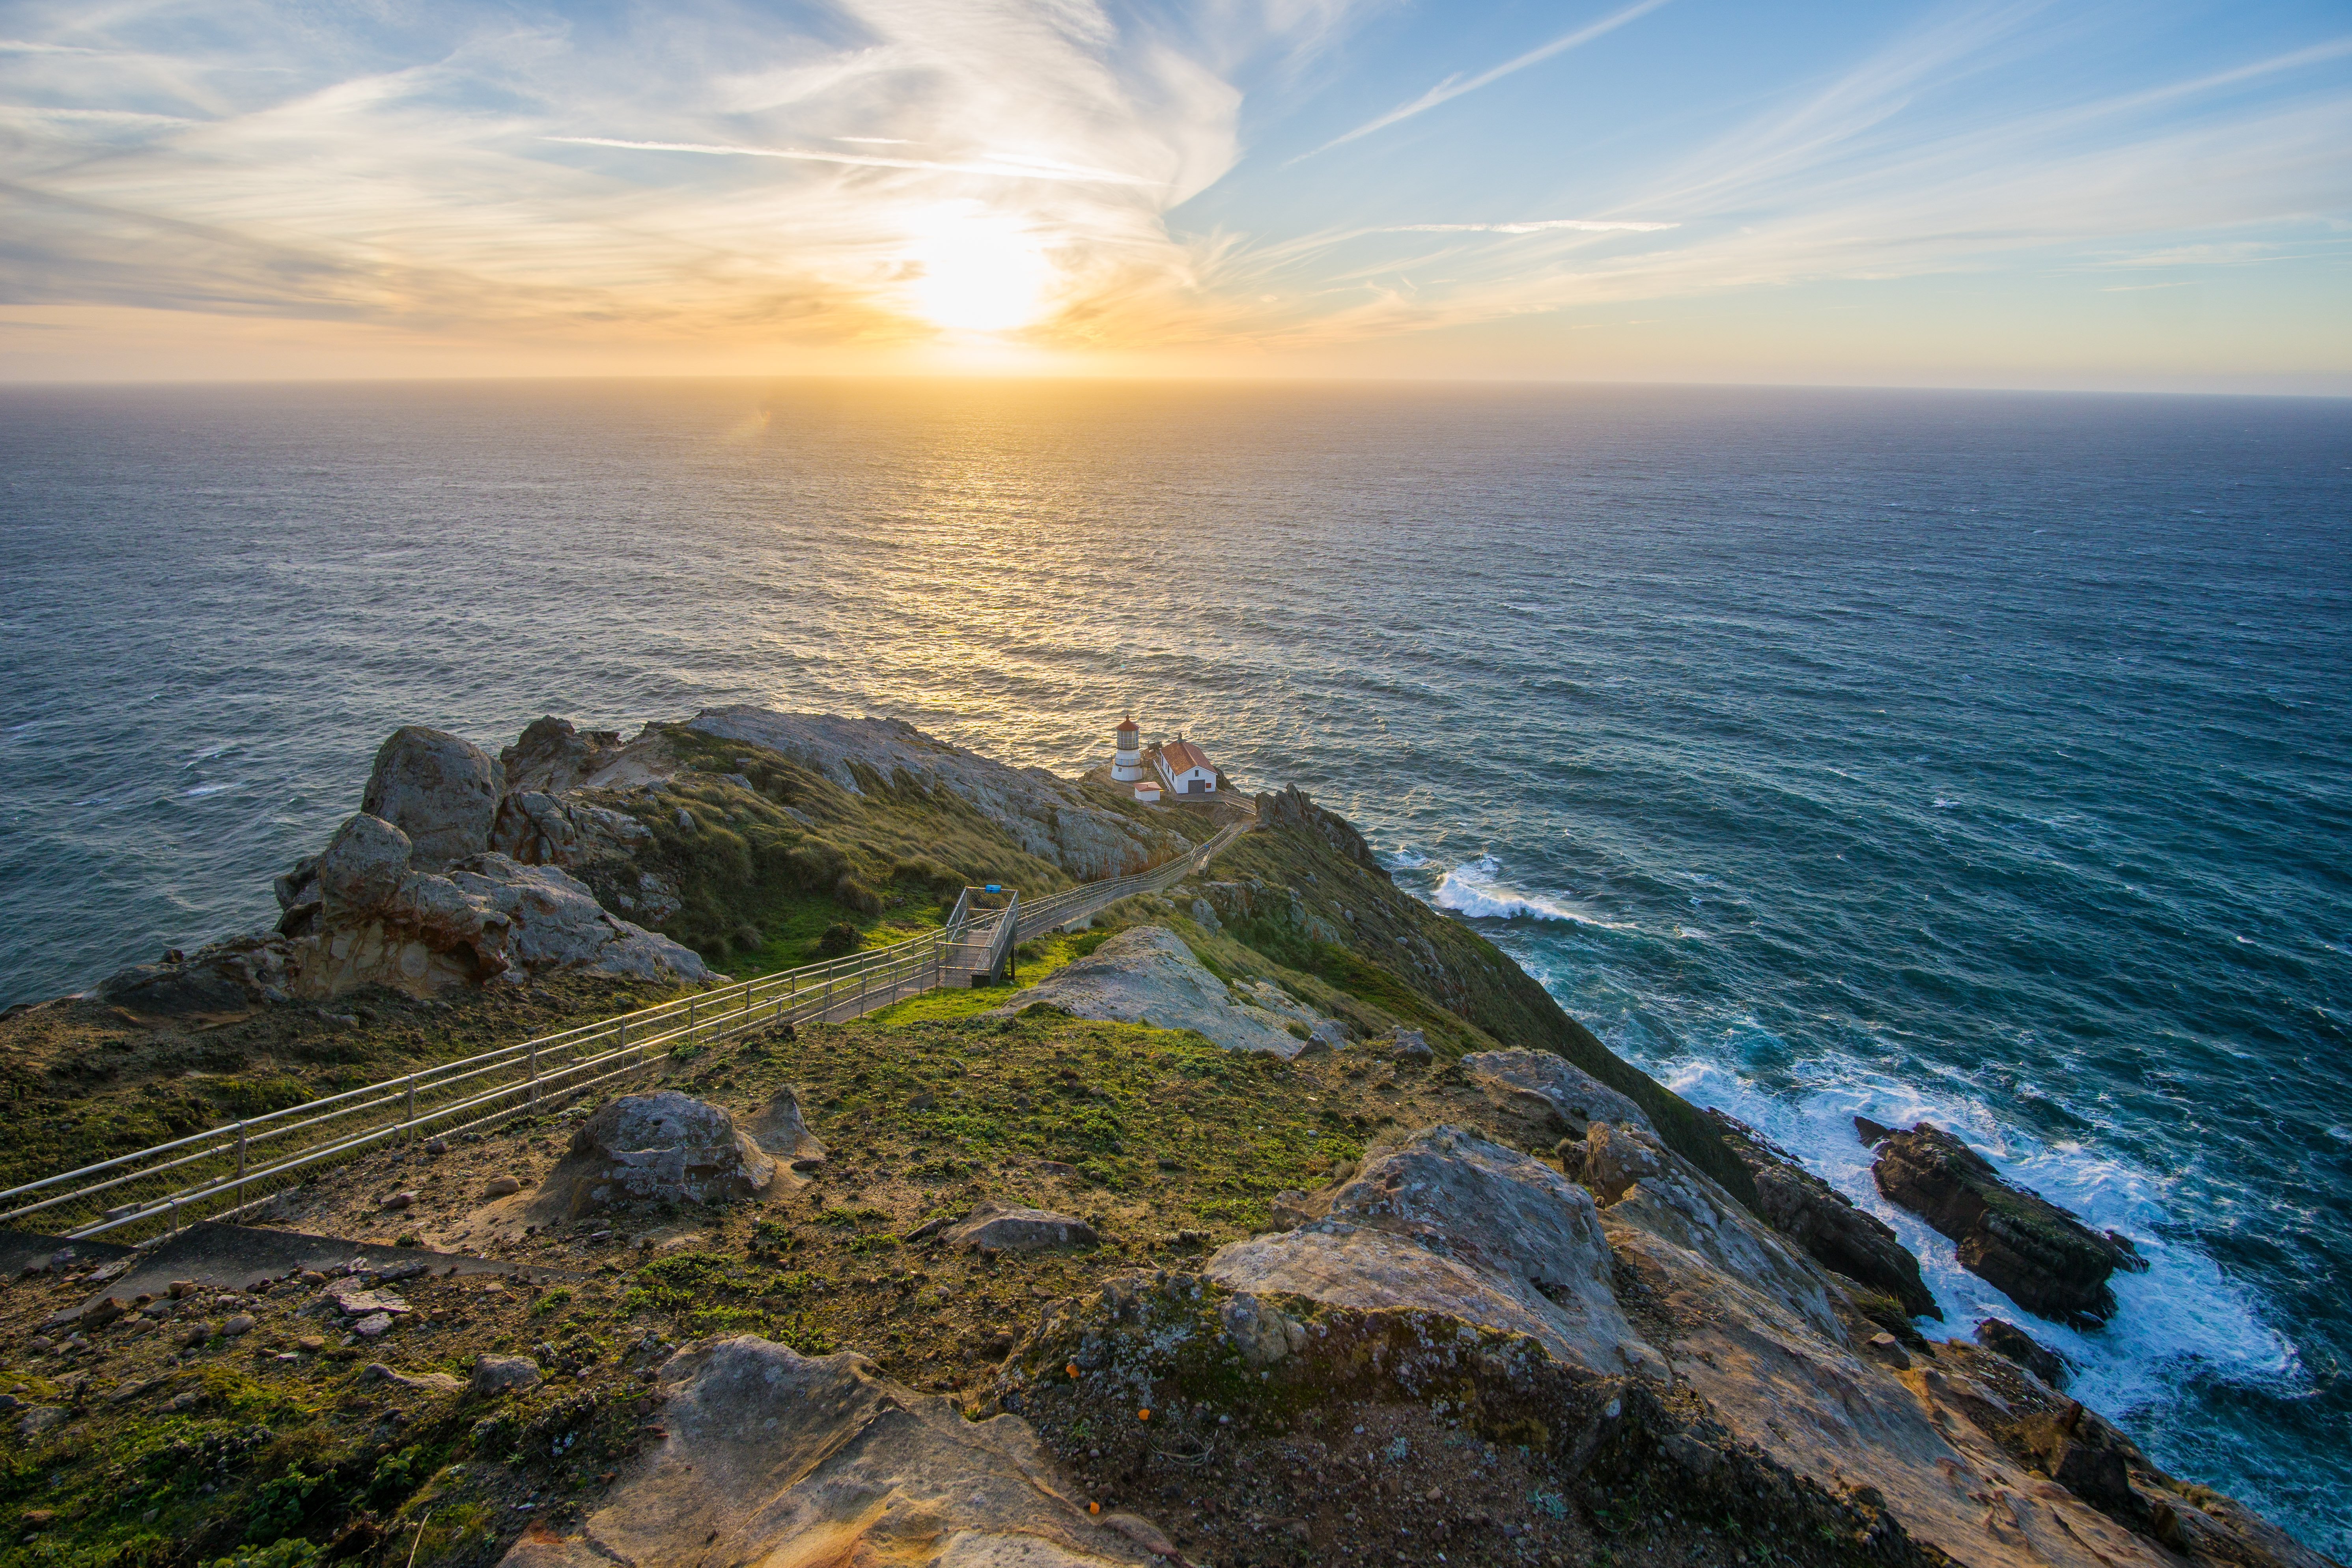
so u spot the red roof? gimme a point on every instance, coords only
(1182, 756)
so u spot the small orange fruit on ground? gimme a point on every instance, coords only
(1143, 1415)
(1072, 1369)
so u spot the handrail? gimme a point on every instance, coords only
(220, 1171)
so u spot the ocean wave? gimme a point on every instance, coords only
(1475, 889)
(202, 790)
(2182, 1320)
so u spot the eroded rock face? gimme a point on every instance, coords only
(772, 1456)
(440, 790)
(1822, 1220)
(783, 1133)
(1551, 1095)
(665, 1146)
(1646, 1186)
(1449, 1222)
(2040, 1256)
(552, 756)
(484, 917)
(1050, 818)
(1147, 975)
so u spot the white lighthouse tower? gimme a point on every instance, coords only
(1126, 760)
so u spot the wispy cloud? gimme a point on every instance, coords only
(1454, 87)
(1531, 225)
(1014, 169)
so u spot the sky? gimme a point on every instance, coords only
(2142, 194)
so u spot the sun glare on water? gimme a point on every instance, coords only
(977, 274)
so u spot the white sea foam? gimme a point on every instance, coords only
(1475, 888)
(204, 790)
(1407, 858)
(2182, 1318)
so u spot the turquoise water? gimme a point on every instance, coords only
(1981, 758)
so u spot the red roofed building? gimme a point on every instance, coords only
(1181, 767)
(1184, 767)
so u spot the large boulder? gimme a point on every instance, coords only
(1825, 1222)
(992, 1228)
(2040, 1256)
(440, 790)
(654, 1147)
(768, 1455)
(1147, 975)
(1448, 1222)
(361, 871)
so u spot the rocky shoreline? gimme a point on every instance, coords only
(1279, 1219)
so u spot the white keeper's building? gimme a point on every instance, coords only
(1176, 767)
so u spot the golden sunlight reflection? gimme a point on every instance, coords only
(978, 272)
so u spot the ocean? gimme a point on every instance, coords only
(1981, 758)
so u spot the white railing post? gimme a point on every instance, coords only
(410, 1118)
(240, 1151)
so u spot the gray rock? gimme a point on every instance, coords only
(1448, 1222)
(360, 872)
(551, 757)
(781, 1131)
(1050, 818)
(789, 1458)
(1551, 1092)
(1822, 1220)
(504, 1374)
(2006, 1339)
(1147, 975)
(1643, 1185)
(38, 1419)
(994, 1229)
(1405, 1045)
(665, 1146)
(442, 792)
(488, 916)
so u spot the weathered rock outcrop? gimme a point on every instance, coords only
(768, 1455)
(1048, 817)
(1645, 1185)
(2006, 1339)
(1147, 975)
(440, 790)
(1549, 1095)
(2040, 1256)
(1825, 1223)
(365, 916)
(553, 757)
(991, 1227)
(1292, 807)
(1448, 1222)
(665, 1146)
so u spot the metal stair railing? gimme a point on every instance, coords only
(227, 1170)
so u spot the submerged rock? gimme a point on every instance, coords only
(2040, 1256)
(1147, 975)
(772, 1456)
(659, 1146)
(1825, 1222)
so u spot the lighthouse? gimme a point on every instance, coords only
(1127, 759)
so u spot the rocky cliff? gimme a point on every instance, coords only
(1277, 1219)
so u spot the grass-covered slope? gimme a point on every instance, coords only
(1331, 912)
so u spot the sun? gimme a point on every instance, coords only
(977, 272)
